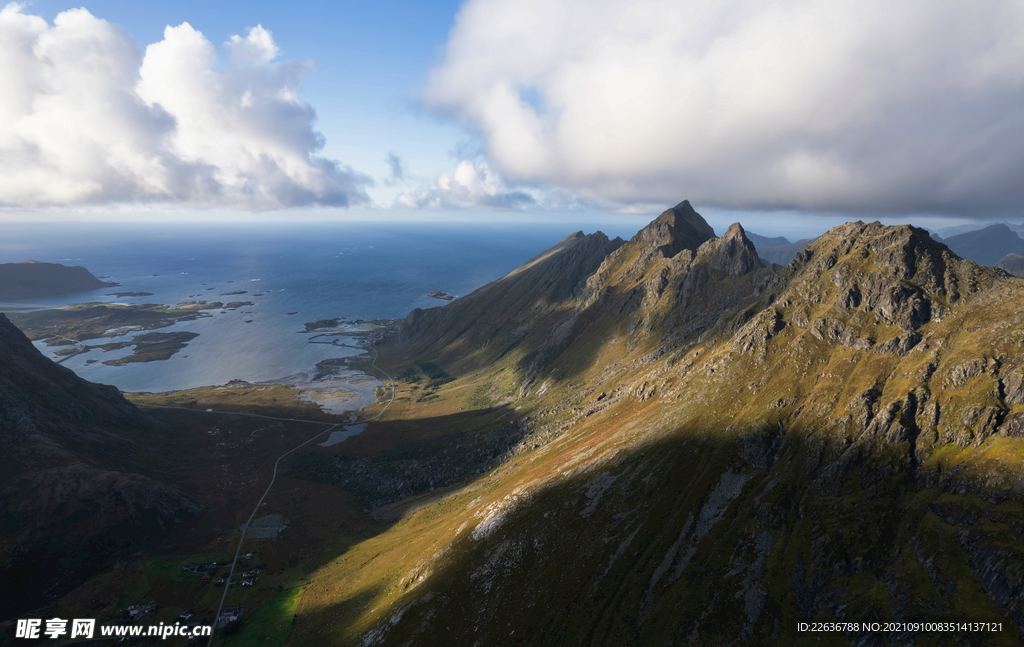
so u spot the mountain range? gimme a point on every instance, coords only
(986, 246)
(699, 448)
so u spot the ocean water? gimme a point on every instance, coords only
(318, 271)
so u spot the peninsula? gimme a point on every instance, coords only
(30, 279)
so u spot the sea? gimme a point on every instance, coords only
(292, 272)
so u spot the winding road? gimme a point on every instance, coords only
(273, 476)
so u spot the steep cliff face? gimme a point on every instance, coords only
(709, 451)
(73, 493)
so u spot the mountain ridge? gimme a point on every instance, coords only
(707, 450)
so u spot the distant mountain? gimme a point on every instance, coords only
(763, 242)
(1014, 264)
(956, 230)
(986, 246)
(947, 232)
(73, 490)
(30, 279)
(783, 254)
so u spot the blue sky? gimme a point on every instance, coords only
(787, 116)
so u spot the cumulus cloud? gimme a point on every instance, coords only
(474, 185)
(849, 105)
(88, 118)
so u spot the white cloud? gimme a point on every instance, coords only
(473, 184)
(87, 118)
(846, 105)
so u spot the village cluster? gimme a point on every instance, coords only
(209, 569)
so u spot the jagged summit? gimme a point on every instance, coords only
(666, 282)
(904, 254)
(734, 253)
(676, 229)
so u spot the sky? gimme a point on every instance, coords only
(789, 116)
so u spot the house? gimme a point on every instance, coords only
(141, 609)
(229, 615)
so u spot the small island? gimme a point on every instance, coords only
(75, 325)
(121, 295)
(150, 347)
(441, 295)
(322, 324)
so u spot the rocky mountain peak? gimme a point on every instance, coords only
(733, 253)
(676, 229)
(900, 273)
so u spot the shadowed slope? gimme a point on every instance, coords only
(73, 497)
